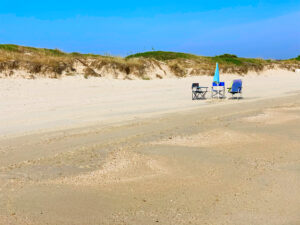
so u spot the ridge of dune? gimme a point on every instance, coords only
(32, 63)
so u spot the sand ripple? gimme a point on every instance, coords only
(120, 166)
(15, 219)
(211, 138)
(274, 116)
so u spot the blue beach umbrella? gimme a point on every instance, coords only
(217, 75)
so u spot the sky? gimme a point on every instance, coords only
(247, 28)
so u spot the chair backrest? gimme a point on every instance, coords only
(221, 84)
(237, 86)
(195, 85)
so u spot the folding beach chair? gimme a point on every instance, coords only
(218, 90)
(236, 88)
(198, 92)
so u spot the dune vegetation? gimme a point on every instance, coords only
(30, 62)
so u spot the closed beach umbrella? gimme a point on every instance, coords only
(217, 75)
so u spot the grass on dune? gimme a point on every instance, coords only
(10, 48)
(41, 51)
(233, 59)
(181, 63)
(22, 49)
(226, 58)
(162, 56)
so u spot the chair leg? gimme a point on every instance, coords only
(195, 95)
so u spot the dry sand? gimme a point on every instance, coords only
(141, 152)
(45, 104)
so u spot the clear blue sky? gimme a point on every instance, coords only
(248, 28)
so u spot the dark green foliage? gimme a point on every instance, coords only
(75, 54)
(228, 58)
(161, 55)
(233, 59)
(53, 52)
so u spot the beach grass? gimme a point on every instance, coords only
(161, 55)
(233, 59)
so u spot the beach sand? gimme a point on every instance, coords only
(76, 151)
(51, 104)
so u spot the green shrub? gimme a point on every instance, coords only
(161, 55)
(54, 52)
(227, 58)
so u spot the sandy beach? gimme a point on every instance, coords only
(50, 104)
(103, 151)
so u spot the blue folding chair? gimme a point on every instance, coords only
(218, 90)
(236, 88)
